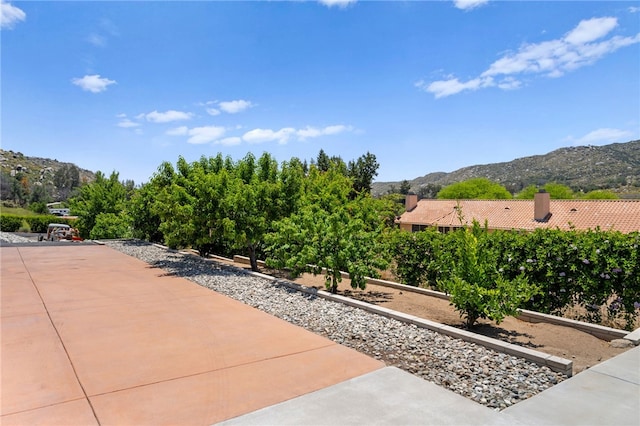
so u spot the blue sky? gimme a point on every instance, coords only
(425, 86)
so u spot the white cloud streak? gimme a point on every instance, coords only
(234, 107)
(603, 136)
(469, 4)
(205, 134)
(337, 3)
(167, 116)
(580, 47)
(285, 134)
(93, 83)
(127, 124)
(10, 16)
(178, 131)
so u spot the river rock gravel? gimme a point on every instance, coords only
(494, 379)
(10, 237)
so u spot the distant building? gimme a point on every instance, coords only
(541, 212)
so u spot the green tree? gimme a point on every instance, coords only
(477, 188)
(104, 195)
(429, 191)
(145, 222)
(556, 191)
(66, 179)
(322, 161)
(254, 202)
(405, 187)
(477, 288)
(111, 225)
(330, 233)
(600, 194)
(415, 255)
(363, 171)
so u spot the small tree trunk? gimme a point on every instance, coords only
(252, 258)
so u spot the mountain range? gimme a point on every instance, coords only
(583, 168)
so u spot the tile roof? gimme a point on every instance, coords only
(619, 215)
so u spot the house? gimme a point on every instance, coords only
(541, 212)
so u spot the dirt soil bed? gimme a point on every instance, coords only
(582, 348)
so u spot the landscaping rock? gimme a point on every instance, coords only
(494, 379)
(621, 343)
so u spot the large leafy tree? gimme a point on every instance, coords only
(362, 171)
(144, 221)
(330, 233)
(66, 179)
(477, 188)
(556, 191)
(103, 196)
(215, 203)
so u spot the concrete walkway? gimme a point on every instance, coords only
(92, 336)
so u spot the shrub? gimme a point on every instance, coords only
(477, 288)
(40, 224)
(416, 255)
(110, 225)
(10, 223)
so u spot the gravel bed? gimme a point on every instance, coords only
(10, 237)
(493, 379)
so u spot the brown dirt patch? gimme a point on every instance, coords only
(582, 348)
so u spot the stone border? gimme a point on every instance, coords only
(560, 365)
(601, 332)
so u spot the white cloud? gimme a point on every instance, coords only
(633, 9)
(166, 117)
(127, 124)
(337, 3)
(97, 40)
(233, 107)
(213, 111)
(591, 30)
(93, 83)
(603, 136)
(178, 131)
(469, 4)
(235, 140)
(443, 88)
(553, 58)
(205, 134)
(312, 132)
(268, 135)
(283, 135)
(10, 15)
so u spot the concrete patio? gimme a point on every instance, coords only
(92, 336)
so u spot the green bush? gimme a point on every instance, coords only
(10, 223)
(40, 224)
(478, 289)
(416, 255)
(109, 226)
(598, 270)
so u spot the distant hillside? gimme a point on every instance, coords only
(56, 177)
(583, 168)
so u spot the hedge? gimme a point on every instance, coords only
(593, 269)
(38, 224)
(10, 222)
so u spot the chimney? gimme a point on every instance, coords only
(541, 206)
(410, 202)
